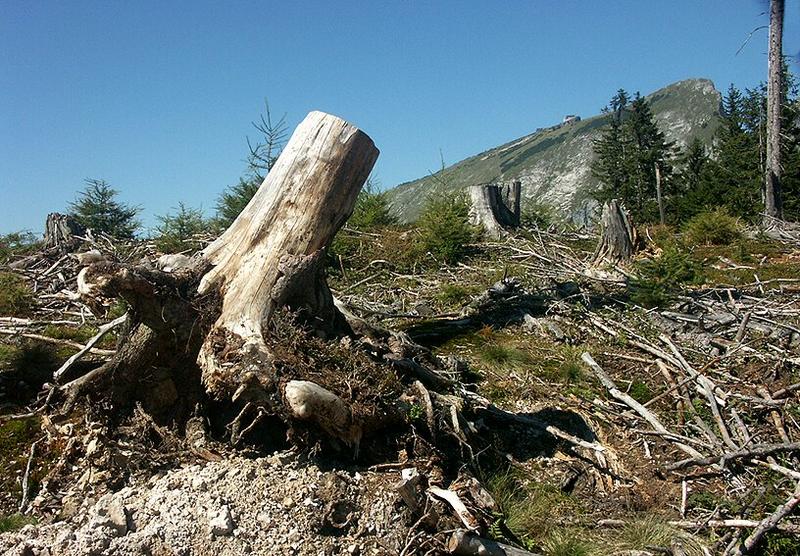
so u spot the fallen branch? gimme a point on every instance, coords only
(26, 478)
(463, 543)
(633, 404)
(768, 523)
(70, 343)
(103, 330)
(758, 450)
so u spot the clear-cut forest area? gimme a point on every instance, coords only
(583, 342)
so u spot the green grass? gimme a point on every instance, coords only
(77, 334)
(16, 298)
(530, 510)
(568, 542)
(455, 294)
(16, 436)
(651, 530)
(15, 522)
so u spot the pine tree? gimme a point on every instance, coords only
(692, 165)
(177, 230)
(263, 155)
(609, 165)
(96, 208)
(233, 200)
(627, 153)
(733, 177)
(649, 148)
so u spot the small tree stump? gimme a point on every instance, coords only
(60, 231)
(618, 239)
(496, 207)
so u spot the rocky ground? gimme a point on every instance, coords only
(271, 505)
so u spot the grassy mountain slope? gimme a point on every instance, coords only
(553, 163)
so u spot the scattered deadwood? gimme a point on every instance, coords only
(104, 329)
(496, 207)
(768, 524)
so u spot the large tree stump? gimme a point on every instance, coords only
(495, 207)
(61, 230)
(618, 239)
(272, 254)
(210, 315)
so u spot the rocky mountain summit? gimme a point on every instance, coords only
(553, 163)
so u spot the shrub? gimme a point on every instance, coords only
(177, 231)
(538, 215)
(97, 208)
(659, 278)
(717, 227)
(15, 296)
(445, 231)
(371, 210)
(16, 243)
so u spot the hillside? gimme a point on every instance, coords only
(553, 163)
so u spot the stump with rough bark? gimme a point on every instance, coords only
(61, 231)
(618, 239)
(496, 207)
(198, 331)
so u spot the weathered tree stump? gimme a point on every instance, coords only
(61, 230)
(204, 322)
(272, 255)
(496, 207)
(618, 239)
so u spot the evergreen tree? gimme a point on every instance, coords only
(649, 149)
(264, 152)
(692, 165)
(177, 231)
(733, 177)
(96, 208)
(233, 200)
(626, 156)
(790, 180)
(609, 165)
(371, 209)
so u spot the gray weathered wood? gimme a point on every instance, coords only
(618, 239)
(495, 207)
(272, 255)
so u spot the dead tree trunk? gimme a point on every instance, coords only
(494, 208)
(60, 231)
(618, 239)
(209, 317)
(773, 201)
(272, 255)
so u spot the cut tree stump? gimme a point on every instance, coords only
(60, 231)
(273, 254)
(618, 239)
(495, 207)
(202, 323)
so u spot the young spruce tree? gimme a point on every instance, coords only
(97, 208)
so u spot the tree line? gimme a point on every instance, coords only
(635, 163)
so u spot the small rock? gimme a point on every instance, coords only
(353, 550)
(221, 523)
(111, 513)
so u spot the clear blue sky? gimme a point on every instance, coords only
(157, 97)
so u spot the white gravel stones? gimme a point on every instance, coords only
(221, 522)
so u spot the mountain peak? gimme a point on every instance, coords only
(553, 163)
